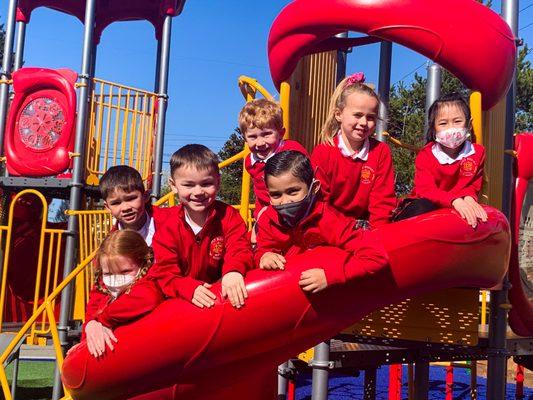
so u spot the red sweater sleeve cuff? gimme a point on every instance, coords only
(334, 274)
(183, 287)
(241, 269)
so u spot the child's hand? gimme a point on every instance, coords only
(313, 280)
(478, 209)
(98, 336)
(466, 211)
(271, 260)
(203, 297)
(234, 289)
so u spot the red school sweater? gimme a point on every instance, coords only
(185, 260)
(143, 296)
(358, 189)
(257, 173)
(324, 226)
(443, 183)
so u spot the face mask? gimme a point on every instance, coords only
(117, 283)
(452, 138)
(292, 213)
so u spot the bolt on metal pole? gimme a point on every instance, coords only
(5, 73)
(321, 365)
(19, 47)
(497, 357)
(78, 175)
(433, 85)
(162, 104)
(385, 59)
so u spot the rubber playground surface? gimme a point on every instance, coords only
(351, 388)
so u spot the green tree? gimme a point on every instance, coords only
(524, 92)
(231, 176)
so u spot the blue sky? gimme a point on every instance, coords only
(213, 42)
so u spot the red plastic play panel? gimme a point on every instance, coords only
(41, 123)
(465, 37)
(222, 352)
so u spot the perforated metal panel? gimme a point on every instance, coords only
(449, 316)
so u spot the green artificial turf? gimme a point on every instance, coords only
(35, 380)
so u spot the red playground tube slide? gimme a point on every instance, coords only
(452, 33)
(223, 352)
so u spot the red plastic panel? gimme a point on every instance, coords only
(107, 11)
(521, 314)
(41, 123)
(475, 44)
(223, 353)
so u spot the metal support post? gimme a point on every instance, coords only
(434, 81)
(19, 47)
(162, 104)
(497, 359)
(421, 379)
(78, 175)
(370, 384)
(5, 73)
(385, 57)
(157, 66)
(321, 366)
(282, 380)
(341, 60)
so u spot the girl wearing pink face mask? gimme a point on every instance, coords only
(449, 169)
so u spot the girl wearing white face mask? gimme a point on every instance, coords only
(449, 169)
(128, 294)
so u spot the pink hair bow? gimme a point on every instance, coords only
(358, 77)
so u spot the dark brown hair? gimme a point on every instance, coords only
(194, 155)
(121, 177)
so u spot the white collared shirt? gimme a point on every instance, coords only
(194, 226)
(254, 159)
(362, 154)
(147, 230)
(444, 158)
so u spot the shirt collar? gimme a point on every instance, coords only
(362, 154)
(146, 231)
(254, 159)
(444, 158)
(194, 226)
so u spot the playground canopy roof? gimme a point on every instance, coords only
(108, 11)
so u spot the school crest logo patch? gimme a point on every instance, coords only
(216, 248)
(367, 175)
(468, 167)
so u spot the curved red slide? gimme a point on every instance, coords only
(221, 352)
(465, 37)
(521, 314)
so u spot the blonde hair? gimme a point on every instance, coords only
(126, 243)
(261, 113)
(338, 102)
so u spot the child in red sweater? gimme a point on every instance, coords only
(297, 221)
(202, 239)
(261, 124)
(126, 293)
(449, 169)
(355, 169)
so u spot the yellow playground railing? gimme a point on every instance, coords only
(48, 263)
(45, 311)
(122, 128)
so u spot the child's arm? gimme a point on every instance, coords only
(97, 301)
(320, 161)
(166, 269)
(238, 258)
(382, 195)
(143, 297)
(271, 243)
(425, 185)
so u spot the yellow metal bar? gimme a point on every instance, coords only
(401, 144)
(125, 87)
(5, 384)
(245, 83)
(483, 307)
(239, 156)
(284, 100)
(476, 111)
(245, 192)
